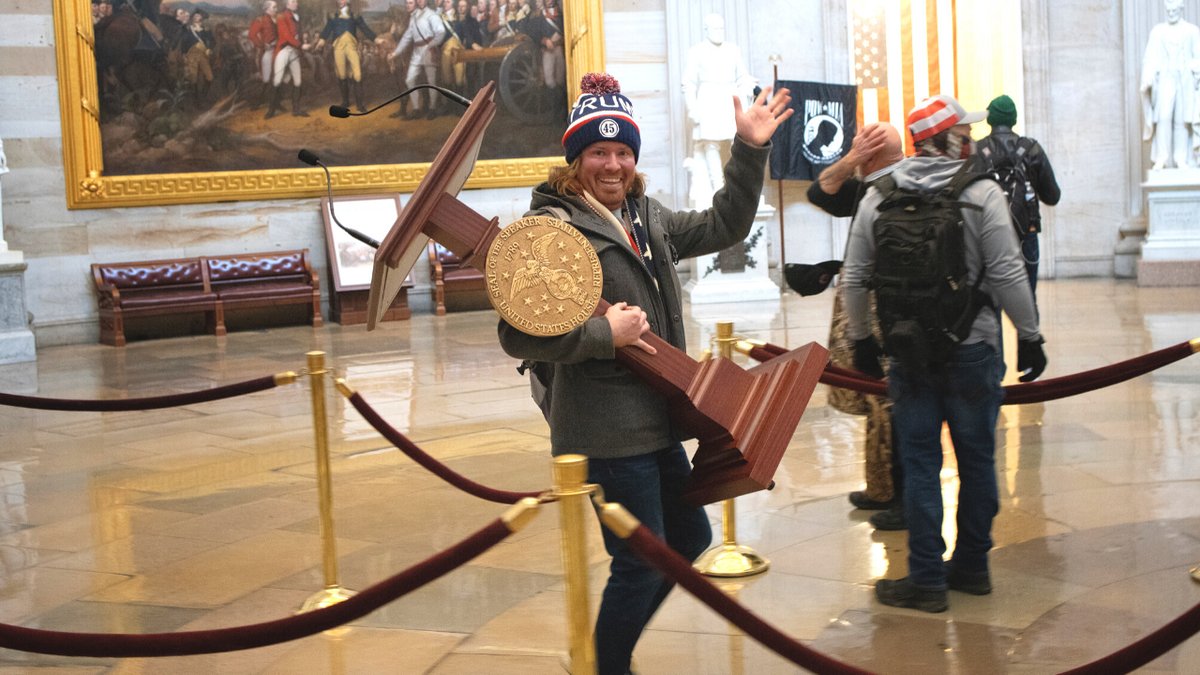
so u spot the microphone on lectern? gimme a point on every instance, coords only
(343, 111)
(311, 159)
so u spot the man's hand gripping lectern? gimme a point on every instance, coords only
(743, 419)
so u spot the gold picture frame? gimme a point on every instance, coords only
(89, 186)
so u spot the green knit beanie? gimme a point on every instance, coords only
(1002, 112)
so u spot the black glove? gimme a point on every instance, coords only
(1031, 359)
(866, 357)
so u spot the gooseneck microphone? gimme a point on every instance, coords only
(343, 111)
(311, 159)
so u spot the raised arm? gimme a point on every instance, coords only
(757, 123)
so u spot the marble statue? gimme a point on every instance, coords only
(3, 170)
(713, 74)
(1170, 77)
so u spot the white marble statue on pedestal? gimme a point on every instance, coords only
(3, 170)
(714, 73)
(17, 344)
(1170, 77)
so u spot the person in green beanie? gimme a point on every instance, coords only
(1023, 170)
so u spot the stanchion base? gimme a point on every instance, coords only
(331, 595)
(1195, 572)
(729, 560)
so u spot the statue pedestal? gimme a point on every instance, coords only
(1171, 253)
(16, 340)
(752, 283)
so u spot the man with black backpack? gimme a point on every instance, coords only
(937, 245)
(1023, 170)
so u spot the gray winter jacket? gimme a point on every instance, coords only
(597, 407)
(991, 245)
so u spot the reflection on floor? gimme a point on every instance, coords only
(206, 516)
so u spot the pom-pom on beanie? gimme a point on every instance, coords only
(601, 113)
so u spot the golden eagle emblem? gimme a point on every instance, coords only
(537, 271)
(543, 276)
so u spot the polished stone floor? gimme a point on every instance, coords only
(207, 515)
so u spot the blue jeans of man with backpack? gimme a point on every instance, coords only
(967, 396)
(1031, 252)
(651, 487)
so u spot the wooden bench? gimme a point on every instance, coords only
(153, 287)
(454, 284)
(207, 284)
(249, 280)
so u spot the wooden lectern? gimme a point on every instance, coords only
(743, 419)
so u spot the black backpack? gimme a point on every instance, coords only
(924, 303)
(1011, 171)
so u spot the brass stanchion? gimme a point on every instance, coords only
(729, 559)
(572, 491)
(1195, 572)
(332, 593)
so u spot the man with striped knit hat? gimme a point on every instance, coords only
(594, 405)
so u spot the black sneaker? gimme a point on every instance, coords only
(892, 519)
(975, 583)
(902, 593)
(860, 500)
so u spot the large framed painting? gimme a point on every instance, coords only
(178, 101)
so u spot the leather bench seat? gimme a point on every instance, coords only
(265, 289)
(168, 298)
(455, 286)
(207, 283)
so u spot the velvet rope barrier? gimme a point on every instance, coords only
(656, 552)
(1015, 394)
(149, 402)
(423, 458)
(1145, 650)
(123, 645)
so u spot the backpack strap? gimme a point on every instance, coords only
(1024, 147)
(985, 151)
(965, 175)
(891, 192)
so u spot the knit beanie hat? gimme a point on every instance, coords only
(601, 113)
(1002, 112)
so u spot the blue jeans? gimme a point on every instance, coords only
(1031, 252)
(966, 395)
(650, 486)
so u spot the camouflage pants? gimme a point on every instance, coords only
(877, 449)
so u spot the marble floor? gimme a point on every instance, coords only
(206, 515)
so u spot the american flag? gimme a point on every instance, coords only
(903, 53)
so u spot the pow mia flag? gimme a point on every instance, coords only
(818, 134)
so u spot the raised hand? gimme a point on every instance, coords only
(756, 124)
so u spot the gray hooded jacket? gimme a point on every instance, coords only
(991, 245)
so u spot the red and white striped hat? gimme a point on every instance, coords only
(937, 114)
